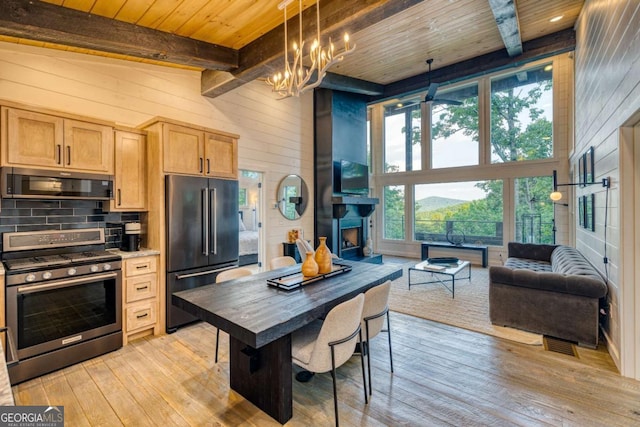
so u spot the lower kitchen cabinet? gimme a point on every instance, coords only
(140, 314)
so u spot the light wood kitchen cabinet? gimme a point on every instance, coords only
(33, 139)
(130, 179)
(140, 297)
(194, 151)
(221, 154)
(183, 150)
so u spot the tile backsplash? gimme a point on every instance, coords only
(37, 215)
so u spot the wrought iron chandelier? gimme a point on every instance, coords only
(295, 78)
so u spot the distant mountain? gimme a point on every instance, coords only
(434, 202)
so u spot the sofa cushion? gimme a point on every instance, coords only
(586, 286)
(528, 264)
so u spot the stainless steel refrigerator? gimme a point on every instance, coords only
(202, 235)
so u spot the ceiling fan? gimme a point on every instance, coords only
(430, 97)
(433, 88)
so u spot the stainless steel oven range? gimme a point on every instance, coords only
(63, 299)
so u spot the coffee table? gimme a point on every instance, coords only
(438, 270)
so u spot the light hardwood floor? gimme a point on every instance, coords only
(443, 376)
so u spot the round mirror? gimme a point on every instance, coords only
(293, 196)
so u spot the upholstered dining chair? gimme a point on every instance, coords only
(376, 306)
(281, 261)
(323, 346)
(223, 276)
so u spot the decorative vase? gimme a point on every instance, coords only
(323, 256)
(309, 266)
(368, 248)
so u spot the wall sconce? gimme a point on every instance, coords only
(556, 195)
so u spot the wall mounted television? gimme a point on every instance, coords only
(353, 178)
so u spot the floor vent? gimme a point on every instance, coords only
(560, 346)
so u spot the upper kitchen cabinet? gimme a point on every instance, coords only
(130, 179)
(194, 150)
(221, 153)
(35, 139)
(183, 150)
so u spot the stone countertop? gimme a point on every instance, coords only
(142, 252)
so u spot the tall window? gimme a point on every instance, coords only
(522, 116)
(455, 128)
(533, 209)
(402, 125)
(394, 222)
(469, 212)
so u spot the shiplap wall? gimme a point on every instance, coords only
(607, 90)
(276, 137)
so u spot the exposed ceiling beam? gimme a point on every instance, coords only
(37, 20)
(350, 84)
(264, 56)
(506, 16)
(540, 48)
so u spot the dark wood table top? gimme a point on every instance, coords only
(257, 314)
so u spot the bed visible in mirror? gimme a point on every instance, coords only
(248, 242)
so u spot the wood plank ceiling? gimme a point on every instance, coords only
(235, 41)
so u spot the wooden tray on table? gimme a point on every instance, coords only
(292, 281)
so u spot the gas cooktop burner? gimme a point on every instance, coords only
(57, 260)
(35, 262)
(90, 256)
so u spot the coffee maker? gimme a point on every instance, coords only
(131, 237)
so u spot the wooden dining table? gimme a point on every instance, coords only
(260, 319)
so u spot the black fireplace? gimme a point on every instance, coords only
(351, 227)
(342, 205)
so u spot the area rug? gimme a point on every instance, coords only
(469, 309)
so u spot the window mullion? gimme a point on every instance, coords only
(408, 135)
(484, 121)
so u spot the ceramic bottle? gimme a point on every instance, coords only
(323, 256)
(309, 266)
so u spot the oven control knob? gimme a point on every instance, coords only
(107, 266)
(30, 277)
(71, 271)
(94, 268)
(46, 275)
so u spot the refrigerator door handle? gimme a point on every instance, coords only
(214, 199)
(204, 273)
(205, 222)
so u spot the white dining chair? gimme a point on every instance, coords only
(376, 306)
(281, 261)
(223, 276)
(323, 346)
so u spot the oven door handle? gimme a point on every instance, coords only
(10, 346)
(28, 289)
